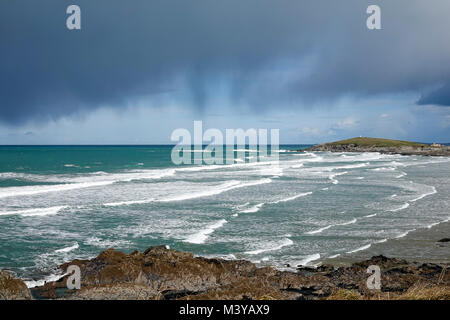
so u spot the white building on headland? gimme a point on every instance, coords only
(434, 144)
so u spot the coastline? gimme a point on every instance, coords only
(383, 146)
(418, 257)
(421, 254)
(161, 273)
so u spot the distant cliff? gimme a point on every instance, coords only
(363, 144)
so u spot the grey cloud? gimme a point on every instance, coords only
(439, 97)
(265, 52)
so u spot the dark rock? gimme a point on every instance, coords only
(161, 273)
(177, 294)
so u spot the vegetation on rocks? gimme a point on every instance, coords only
(161, 273)
(363, 144)
(12, 288)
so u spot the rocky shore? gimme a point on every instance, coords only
(164, 274)
(382, 146)
(12, 288)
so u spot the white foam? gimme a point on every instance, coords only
(97, 242)
(309, 259)
(68, 249)
(320, 230)
(332, 225)
(347, 223)
(258, 206)
(210, 191)
(334, 175)
(35, 211)
(32, 190)
(242, 205)
(275, 171)
(402, 207)
(384, 169)
(433, 224)
(234, 184)
(293, 197)
(229, 256)
(433, 191)
(80, 182)
(352, 166)
(360, 249)
(370, 215)
(366, 156)
(404, 234)
(127, 203)
(37, 283)
(286, 242)
(402, 174)
(201, 236)
(253, 209)
(334, 256)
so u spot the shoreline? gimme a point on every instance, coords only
(418, 246)
(114, 274)
(162, 273)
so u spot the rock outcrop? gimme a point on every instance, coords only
(382, 146)
(160, 273)
(12, 288)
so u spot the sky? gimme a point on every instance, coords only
(137, 70)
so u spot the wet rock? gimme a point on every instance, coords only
(161, 273)
(444, 240)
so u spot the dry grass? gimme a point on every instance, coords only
(344, 294)
(416, 292)
(426, 292)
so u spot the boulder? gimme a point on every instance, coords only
(12, 288)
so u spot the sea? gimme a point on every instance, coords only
(58, 203)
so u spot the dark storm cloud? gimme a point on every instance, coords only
(267, 52)
(439, 97)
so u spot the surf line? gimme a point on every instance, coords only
(407, 204)
(257, 207)
(332, 225)
(227, 186)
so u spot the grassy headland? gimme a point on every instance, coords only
(364, 144)
(377, 142)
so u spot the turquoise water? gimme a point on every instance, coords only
(63, 202)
